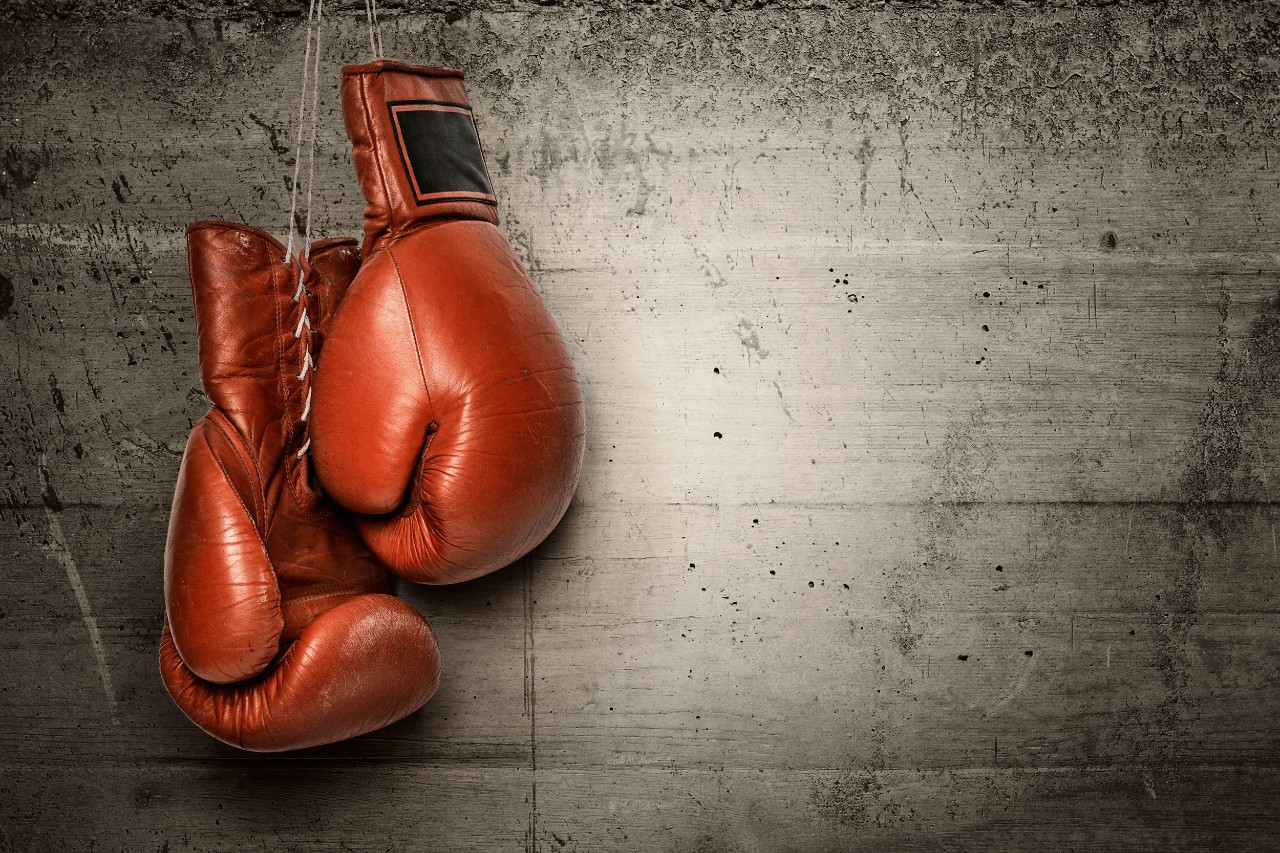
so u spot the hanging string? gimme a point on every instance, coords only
(302, 105)
(315, 111)
(315, 21)
(368, 15)
(375, 27)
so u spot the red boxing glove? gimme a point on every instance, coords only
(279, 632)
(447, 409)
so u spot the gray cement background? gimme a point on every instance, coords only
(930, 353)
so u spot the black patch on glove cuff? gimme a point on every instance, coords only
(441, 152)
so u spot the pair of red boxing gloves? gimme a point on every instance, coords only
(409, 406)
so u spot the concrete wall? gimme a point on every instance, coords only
(931, 361)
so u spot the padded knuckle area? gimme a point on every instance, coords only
(220, 590)
(370, 408)
(356, 668)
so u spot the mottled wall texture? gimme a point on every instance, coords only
(932, 357)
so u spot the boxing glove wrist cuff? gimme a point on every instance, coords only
(416, 149)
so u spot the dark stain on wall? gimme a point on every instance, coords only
(6, 295)
(21, 167)
(1230, 450)
(59, 402)
(1226, 461)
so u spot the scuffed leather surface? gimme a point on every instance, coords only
(447, 410)
(279, 633)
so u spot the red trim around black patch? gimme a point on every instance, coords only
(441, 152)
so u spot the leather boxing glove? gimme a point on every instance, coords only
(447, 410)
(279, 632)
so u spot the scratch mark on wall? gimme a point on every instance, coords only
(1016, 686)
(57, 547)
(531, 708)
(1149, 784)
(785, 410)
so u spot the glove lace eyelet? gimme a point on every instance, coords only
(302, 321)
(308, 364)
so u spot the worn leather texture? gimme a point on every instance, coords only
(279, 630)
(447, 410)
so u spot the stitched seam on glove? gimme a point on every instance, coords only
(286, 421)
(258, 489)
(229, 432)
(376, 144)
(418, 496)
(352, 592)
(413, 330)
